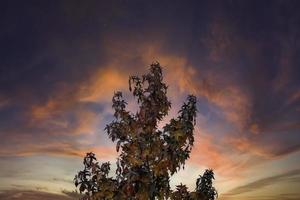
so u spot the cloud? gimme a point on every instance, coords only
(264, 182)
(67, 112)
(206, 152)
(33, 195)
(258, 95)
(59, 149)
(55, 99)
(286, 196)
(103, 84)
(4, 101)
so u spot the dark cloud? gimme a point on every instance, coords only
(252, 49)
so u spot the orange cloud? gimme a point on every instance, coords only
(4, 101)
(179, 74)
(295, 97)
(40, 112)
(184, 78)
(102, 85)
(60, 149)
(86, 122)
(248, 146)
(207, 152)
(53, 114)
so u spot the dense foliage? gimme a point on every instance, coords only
(147, 156)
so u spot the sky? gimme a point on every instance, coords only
(61, 62)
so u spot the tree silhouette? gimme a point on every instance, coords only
(148, 156)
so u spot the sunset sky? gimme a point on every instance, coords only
(61, 62)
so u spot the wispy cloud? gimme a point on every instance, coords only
(34, 195)
(264, 182)
(286, 196)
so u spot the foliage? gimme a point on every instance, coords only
(204, 188)
(148, 156)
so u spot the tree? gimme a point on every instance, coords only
(204, 188)
(148, 157)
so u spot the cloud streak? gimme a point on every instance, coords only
(32, 195)
(264, 182)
